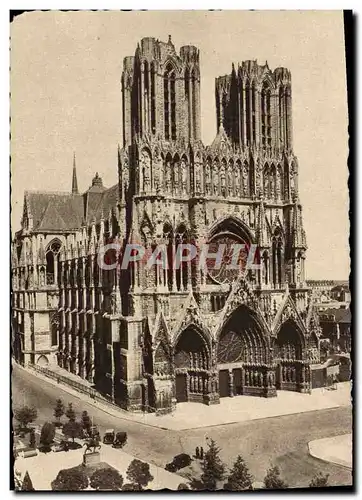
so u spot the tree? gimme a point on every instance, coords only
(59, 410)
(130, 487)
(239, 478)
(139, 473)
(27, 483)
(213, 469)
(72, 429)
(106, 479)
(319, 481)
(70, 480)
(86, 421)
(273, 481)
(25, 416)
(47, 435)
(182, 486)
(70, 413)
(32, 439)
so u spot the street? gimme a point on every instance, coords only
(279, 440)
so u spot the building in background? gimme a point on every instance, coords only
(151, 337)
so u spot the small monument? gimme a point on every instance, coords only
(90, 455)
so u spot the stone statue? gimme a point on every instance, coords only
(184, 175)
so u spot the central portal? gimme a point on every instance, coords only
(242, 356)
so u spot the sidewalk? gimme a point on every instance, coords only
(230, 410)
(337, 450)
(52, 463)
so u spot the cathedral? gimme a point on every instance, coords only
(150, 337)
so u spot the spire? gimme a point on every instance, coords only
(74, 180)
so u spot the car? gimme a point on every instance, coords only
(179, 462)
(108, 437)
(120, 440)
(62, 446)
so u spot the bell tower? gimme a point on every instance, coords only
(161, 92)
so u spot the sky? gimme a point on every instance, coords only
(66, 97)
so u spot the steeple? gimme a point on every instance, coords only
(74, 180)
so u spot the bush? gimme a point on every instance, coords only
(32, 439)
(25, 416)
(72, 430)
(273, 481)
(130, 487)
(139, 473)
(182, 486)
(70, 480)
(86, 421)
(47, 434)
(27, 485)
(58, 411)
(106, 479)
(70, 413)
(319, 481)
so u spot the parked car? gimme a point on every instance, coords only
(108, 437)
(120, 440)
(179, 462)
(62, 446)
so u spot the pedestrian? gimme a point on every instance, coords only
(197, 452)
(201, 453)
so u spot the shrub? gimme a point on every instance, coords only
(59, 411)
(47, 434)
(139, 473)
(32, 439)
(106, 479)
(25, 416)
(70, 480)
(273, 481)
(319, 481)
(70, 413)
(72, 430)
(27, 484)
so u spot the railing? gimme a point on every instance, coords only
(89, 391)
(78, 386)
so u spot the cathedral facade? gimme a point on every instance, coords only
(147, 336)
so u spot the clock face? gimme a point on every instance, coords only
(234, 257)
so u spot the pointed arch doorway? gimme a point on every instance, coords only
(291, 371)
(243, 357)
(191, 361)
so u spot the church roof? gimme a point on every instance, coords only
(54, 211)
(65, 211)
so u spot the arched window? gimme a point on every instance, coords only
(282, 115)
(253, 117)
(169, 85)
(265, 116)
(52, 260)
(153, 100)
(248, 112)
(277, 258)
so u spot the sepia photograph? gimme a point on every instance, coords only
(180, 261)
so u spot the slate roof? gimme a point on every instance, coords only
(341, 315)
(59, 212)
